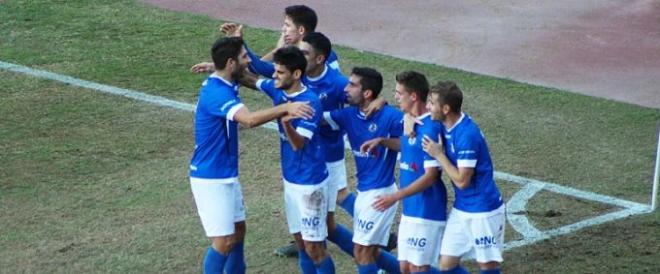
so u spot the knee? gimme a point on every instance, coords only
(315, 251)
(224, 244)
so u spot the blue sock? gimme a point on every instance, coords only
(306, 264)
(235, 260)
(327, 266)
(348, 204)
(456, 270)
(343, 238)
(386, 261)
(214, 262)
(367, 268)
(490, 271)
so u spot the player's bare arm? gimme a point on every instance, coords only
(296, 140)
(391, 143)
(253, 119)
(427, 180)
(375, 105)
(460, 176)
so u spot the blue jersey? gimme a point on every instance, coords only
(307, 165)
(216, 134)
(374, 169)
(266, 69)
(329, 87)
(431, 203)
(466, 146)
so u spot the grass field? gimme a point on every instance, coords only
(98, 183)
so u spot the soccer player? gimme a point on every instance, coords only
(375, 169)
(306, 180)
(214, 164)
(476, 222)
(422, 191)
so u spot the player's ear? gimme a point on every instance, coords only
(301, 30)
(230, 62)
(367, 93)
(446, 109)
(320, 59)
(297, 74)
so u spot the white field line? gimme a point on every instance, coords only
(533, 234)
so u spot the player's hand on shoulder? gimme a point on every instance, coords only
(409, 122)
(432, 148)
(204, 67)
(375, 106)
(299, 110)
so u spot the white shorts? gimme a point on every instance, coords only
(306, 210)
(219, 204)
(370, 226)
(419, 240)
(480, 235)
(337, 181)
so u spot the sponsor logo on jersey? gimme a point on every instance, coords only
(360, 154)
(408, 167)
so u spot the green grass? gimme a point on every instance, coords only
(92, 182)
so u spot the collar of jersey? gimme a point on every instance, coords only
(325, 70)
(295, 93)
(216, 76)
(457, 122)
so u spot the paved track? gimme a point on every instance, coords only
(601, 48)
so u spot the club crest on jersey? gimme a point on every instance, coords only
(373, 127)
(412, 140)
(323, 96)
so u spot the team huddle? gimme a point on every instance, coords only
(315, 105)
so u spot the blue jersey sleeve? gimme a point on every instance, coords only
(268, 87)
(333, 60)
(335, 118)
(396, 124)
(467, 149)
(258, 66)
(307, 127)
(225, 105)
(432, 130)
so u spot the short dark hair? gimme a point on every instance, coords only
(319, 42)
(302, 15)
(225, 48)
(369, 79)
(449, 94)
(290, 57)
(415, 82)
